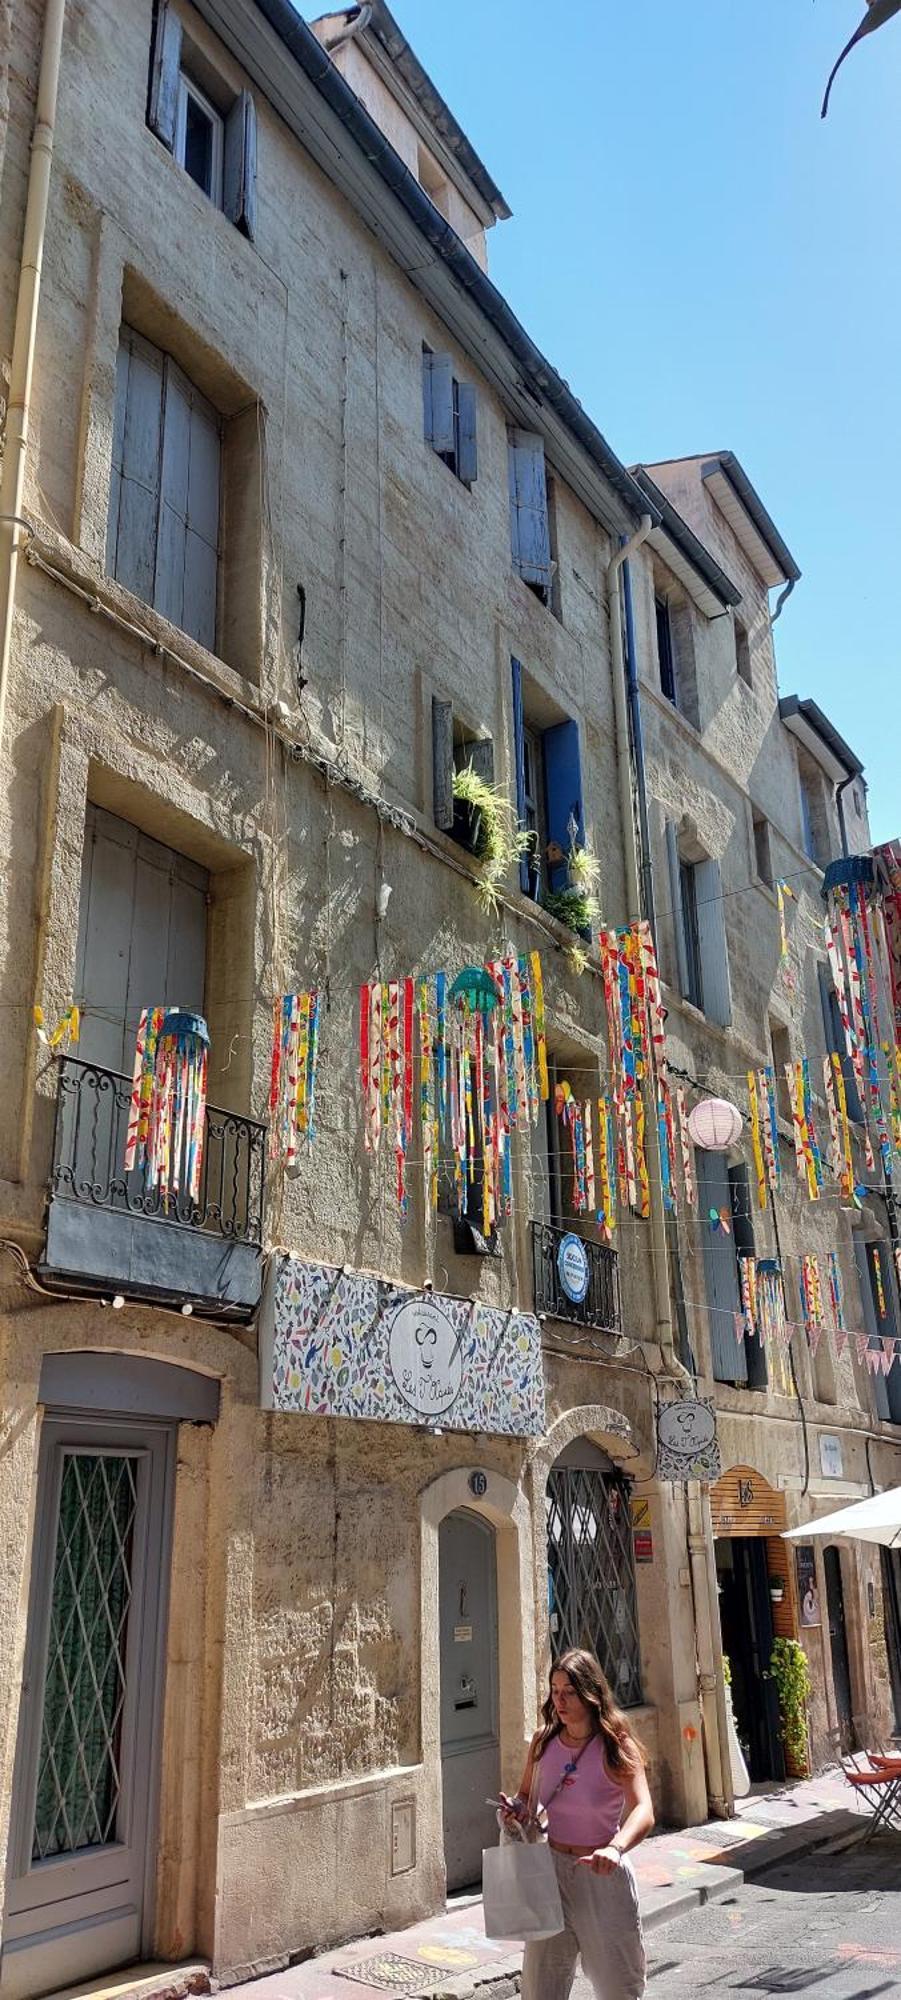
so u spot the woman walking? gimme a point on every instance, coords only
(591, 1777)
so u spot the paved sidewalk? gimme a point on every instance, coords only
(450, 1956)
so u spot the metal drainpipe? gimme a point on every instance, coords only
(18, 411)
(640, 896)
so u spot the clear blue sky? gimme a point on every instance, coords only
(711, 266)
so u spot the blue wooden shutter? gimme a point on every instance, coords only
(530, 535)
(563, 796)
(240, 165)
(728, 1355)
(467, 454)
(712, 944)
(165, 69)
(519, 762)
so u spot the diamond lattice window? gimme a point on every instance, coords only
(79, 1771)
(591, 1574)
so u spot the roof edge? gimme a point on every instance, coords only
(727, 463)
(540, 380)
(791, 706)
(727, 592)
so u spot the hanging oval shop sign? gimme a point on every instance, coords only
(424, 1357)
(687, 1446)
(573, 1268)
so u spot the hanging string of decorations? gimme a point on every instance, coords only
(483, 1074)
(293, 1075)
(167, 1109)
(862, 945)
(763, 1315)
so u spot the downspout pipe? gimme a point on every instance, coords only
(632, 782)
(18, 414)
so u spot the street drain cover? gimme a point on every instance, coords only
(723, 1836)
(780, 1981)
(390, 1973)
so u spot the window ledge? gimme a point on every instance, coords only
(673, 712)
(519, 588)
(72, 565)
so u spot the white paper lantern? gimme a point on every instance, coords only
(715, 1124)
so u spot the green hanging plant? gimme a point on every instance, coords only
(576, 905)
(791, 1673)
(490, 829)
(727, 1670)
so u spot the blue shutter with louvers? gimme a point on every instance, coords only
(240, 165)
(165, 68)
(728, 1355)
(467, 454)
(563, 794)
(530, 535)
(519, 762)
(717, 999)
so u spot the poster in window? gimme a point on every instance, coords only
(808, 1594)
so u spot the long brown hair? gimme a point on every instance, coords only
(622, 1749)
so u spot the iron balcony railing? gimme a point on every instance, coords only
(600, 1305)
(89, 1152)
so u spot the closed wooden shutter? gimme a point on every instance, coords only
(530, 535)
(442, 764)
(136, 460)
(239, 167)
(188, 546)
(675, 885)
(729, 1358)
(165, 67)
(163, 530)
(712, 943)
(563, 795)
(142, 935)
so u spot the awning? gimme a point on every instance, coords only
(875, 1520)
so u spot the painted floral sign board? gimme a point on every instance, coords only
(348, 1344)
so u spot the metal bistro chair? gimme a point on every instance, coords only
(875, 1777)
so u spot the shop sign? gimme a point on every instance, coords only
(831, 1465)
(573, 1269)
(687, 1446)
(808, 1594)
(642, 1539)
(347, 1344)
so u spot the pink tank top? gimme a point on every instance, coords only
(588, 1807)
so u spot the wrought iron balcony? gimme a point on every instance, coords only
(560, 1276)
(106, 1230)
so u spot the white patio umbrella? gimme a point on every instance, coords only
(875, 1520)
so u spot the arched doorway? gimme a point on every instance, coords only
(470, 1735)
(591, 1568)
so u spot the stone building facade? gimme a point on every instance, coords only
(750, 797)
(270, 592)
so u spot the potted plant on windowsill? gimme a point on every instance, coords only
(485, 824)
(777, 1589)
(791, 1673)
(575, 904)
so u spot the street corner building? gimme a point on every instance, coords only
(440, 979)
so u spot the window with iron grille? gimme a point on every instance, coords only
(591, 1568)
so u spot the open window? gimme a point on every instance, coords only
(763, 851)
(743, 666)
(549, 805)
(211, 133)
(449, 416)
(454, 746)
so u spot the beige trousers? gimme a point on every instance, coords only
(603, 1928)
